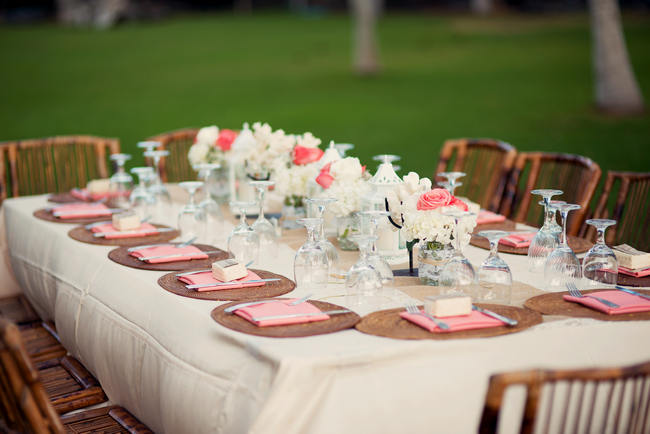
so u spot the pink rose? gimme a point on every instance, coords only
(458, 204)
(303, 155)
(225, 139)
(324, 179)
(433, 199)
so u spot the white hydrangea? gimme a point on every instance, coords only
(294, 180)
(348, 195)
(198, 153)
(271, 146)
(308, 140)
(346, 170)
(208, 135)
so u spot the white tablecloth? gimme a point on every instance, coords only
(163, 357)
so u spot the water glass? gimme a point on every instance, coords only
(600, 265)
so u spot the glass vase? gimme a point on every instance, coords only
(346, 227)
(292, 210)
(432, 257)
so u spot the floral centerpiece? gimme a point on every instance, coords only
(211, 145)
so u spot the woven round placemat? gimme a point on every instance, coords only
(334, 324)
(389, 324)
(506, 225)
(579, 245)
(170, 283)
(62, 198)
(553, 304)
(46, 215)
(626, 280)
(84, 235)
(122, 257)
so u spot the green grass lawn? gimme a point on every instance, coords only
(523, 79)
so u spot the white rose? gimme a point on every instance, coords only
(425, 184)
(308, 140)
(208, 135)
(411, 182)
(198, 153)
(346, 170)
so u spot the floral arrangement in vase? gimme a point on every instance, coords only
(211, 145)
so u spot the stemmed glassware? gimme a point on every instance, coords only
(494, 276)
(546, 239)
(343, 148)
(191, 218)
(316, 208)
(458, 271)
(374, 217)
(311, 266)
(262, 226)
(363, 279)
(141, 200)
(562, 265)
(600, 264)
(452, 181)
(121, 182)
(213, 216)
(158, 190)
(554, 226)
(243, 242)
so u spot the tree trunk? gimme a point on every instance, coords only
(365, 14)
(481, 7)
(617, 90)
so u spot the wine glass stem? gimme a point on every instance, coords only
(494, 247)
(563, 240)
(311, 234)
(261, 196)
(242, 216)
(601, 235)
(457, 237)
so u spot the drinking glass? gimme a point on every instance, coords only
(452, 180)
(371, 221)
(148, 145)
(163, 200)
(191, 218)
(213, 217)
(494, 276)
(555, 227)
(262, 226)
(562, 265)
(311, 266)
(546, 239)
(343, 148)
(141, 200)
(458, 272)
(316, 208)
(363, 279)
(121, 182)
(243, 242)
(600, 264)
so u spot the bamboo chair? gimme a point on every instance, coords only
(577, 176)
(631, 209)
(53, 164)
(487, 163)
(578, 401)
(26, 408)
(176, 167)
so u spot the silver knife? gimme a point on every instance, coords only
(136, 231)
(298, 315)
(505, 319)
(176, 255)
(629, 291)
(148, 246)
(207, 285)
(103, 212)
(231, 309)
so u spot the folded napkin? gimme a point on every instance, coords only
(83, 194)
(207, 277)
(475, 320)
(642, 272)
(485, 216)
(144, 230)
(518, 240)
(628, 303)
(81, 210)
(187, 253)
(280, 308)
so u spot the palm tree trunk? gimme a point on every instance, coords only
(617, 90)
(365, 14)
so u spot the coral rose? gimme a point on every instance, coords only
(303, 155)
(433, 199)
(458, 204)
(324, 179)
(225, 139)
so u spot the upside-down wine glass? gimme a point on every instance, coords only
(374, 217)
(562, 265)
(343, 148)
(262, 226)
(600, 264)
(452, 181)
(546, 239)
(386, 158)
(121, 182)
(243, 242)
(552, 207)
(316, 208)
(213, 217)
(363, 279)
(458, 272)
(191, 218)
(494, 276)
(141, 200)
(157, 188)
(311, 266)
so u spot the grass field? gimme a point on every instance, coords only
(523, 79)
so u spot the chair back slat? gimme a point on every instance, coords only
(176, 166)
(594, 400)
(577, 176)
(487, 163)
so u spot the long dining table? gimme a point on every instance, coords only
(168, 362)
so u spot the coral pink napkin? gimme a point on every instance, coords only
(144, 230)
(518, 240)
(188, 253)
(207, 277)
(485, 216)
(82, 194)
(280, 308)
(628, 303)
(634, 273)
(475, 320)
(81, 210)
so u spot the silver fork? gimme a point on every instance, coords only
(180, 246)
(411, 308)
(575, 292)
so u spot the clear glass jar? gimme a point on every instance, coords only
(432, 257)
(347, 226)
(292, 210)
